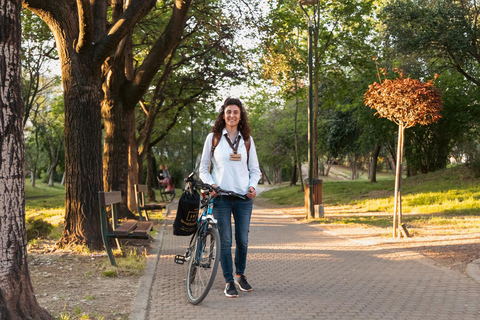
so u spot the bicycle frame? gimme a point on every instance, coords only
(205, 220)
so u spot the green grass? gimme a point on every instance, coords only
(46, 203)
(449, 197)
(132, 264)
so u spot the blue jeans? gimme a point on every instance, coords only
(223, 209)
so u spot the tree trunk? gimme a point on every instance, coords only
(330, 163)
(352, 159)
(150, 175)
(34, 175)
(54, 155)
(397, 207)
(297, 149)
(17, 299)
(264, 175)
(293, 180)
(51, 176)
(35, 162)
(277, 176)
(132, 165)
(83, 161)
(373, 163)
(115, 152)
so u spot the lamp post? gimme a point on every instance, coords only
(191, 140)
(310, 206)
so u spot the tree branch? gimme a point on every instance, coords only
(107, 44)
(85, 25)
(168, 127)
(160, 51)
(99, 14)
(459, 68)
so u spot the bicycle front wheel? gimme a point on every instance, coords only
(203, 265)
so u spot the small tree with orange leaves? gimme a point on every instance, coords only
(406, 102)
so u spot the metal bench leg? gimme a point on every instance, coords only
(109, 251)
(103, 222)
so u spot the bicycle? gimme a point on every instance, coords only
(203, 252)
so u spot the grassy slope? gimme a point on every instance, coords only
(446, 197)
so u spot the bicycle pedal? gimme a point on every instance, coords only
(180, 259)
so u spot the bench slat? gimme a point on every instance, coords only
(125, 229)
(108, 198)
(142, 188)
(143, 228)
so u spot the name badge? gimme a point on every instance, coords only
(235, 157)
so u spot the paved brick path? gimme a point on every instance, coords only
(299, 271)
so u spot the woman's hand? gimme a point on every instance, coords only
(213, 193)
(252, 193)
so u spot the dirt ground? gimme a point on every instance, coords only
(71, 284)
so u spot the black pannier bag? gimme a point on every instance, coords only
(185, 222)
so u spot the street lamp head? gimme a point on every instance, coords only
(308, 2)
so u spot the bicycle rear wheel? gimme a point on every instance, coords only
(203, 265)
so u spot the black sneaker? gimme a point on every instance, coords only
(230, 290)
(242, 283)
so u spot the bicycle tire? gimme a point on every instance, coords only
(203, 265)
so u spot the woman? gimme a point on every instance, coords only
(235, 168)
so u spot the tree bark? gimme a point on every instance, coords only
(116, 119)
(115, 155)
(17, 299)
(133, 166)
(83, 161)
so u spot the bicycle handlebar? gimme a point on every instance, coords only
(211, 188)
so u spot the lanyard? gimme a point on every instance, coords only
(235, 143)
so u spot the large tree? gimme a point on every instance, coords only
(17, 300)
(445, 29)
(89, 37)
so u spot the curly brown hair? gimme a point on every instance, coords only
(243, 125)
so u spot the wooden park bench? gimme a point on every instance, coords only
(142, 206)
(130, 229)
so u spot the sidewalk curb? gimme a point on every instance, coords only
(473, 270)
(142, 296)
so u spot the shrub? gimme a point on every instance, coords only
(37, 228)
